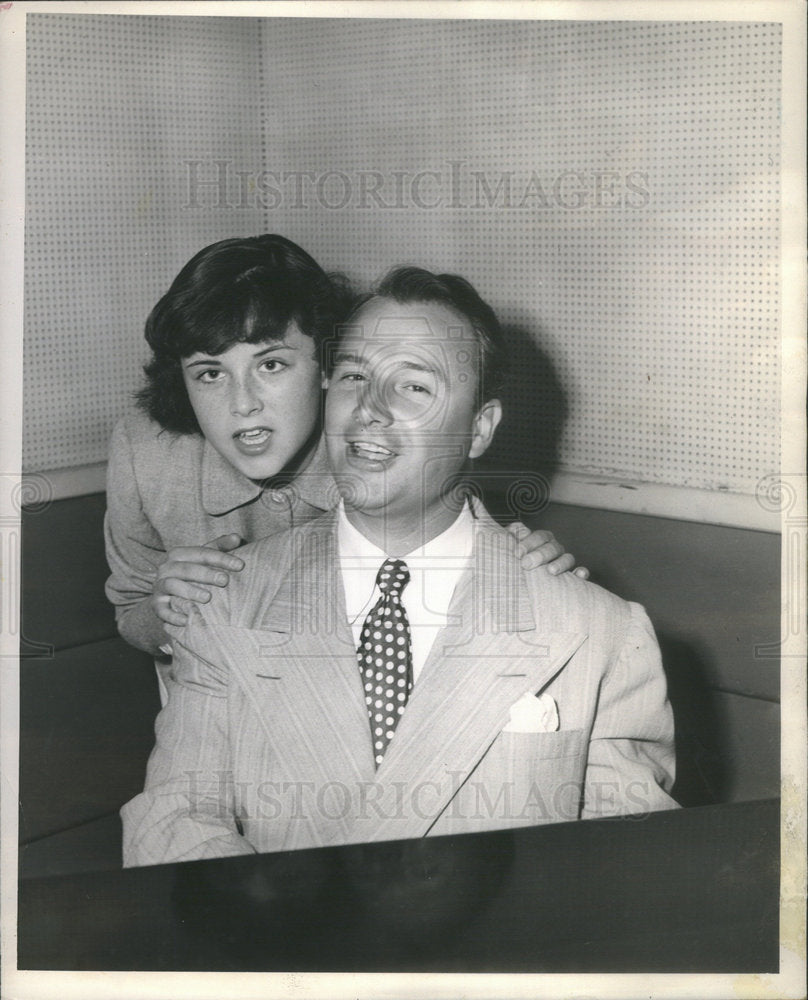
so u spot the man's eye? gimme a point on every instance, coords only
(417, 388)
(352, 377)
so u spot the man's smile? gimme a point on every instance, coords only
(370, 452)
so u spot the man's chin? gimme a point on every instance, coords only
(366, 503)
(360, 492)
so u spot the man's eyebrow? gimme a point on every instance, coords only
(347, 357)
(417, 367)
(214, 359)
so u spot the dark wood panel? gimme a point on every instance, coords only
(63, 574)
(86, 730)
(686, 890)
(91, 847)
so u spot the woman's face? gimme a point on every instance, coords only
(258, 404)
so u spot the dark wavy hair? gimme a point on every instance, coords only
(243, 290)
(414, 284)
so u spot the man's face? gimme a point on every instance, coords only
(401, 409)
(257, 404)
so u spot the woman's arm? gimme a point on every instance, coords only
(134, 550)
(148, 585)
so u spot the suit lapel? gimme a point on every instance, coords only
(298, 669)
(486, 658)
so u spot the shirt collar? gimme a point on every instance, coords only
(353, 546)
(224, 488)
(447, 553)
(455, 542)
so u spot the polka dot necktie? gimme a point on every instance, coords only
(385, 656)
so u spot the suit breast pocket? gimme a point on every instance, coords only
(543, 746)
(545, 772)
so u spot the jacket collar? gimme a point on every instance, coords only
(314, 583)
(224, 488)
(506, 608)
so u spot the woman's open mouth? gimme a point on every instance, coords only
(253, 440)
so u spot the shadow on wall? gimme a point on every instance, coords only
(534, 410)
(701, 763)
(514, 475)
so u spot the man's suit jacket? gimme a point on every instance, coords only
(265, 743)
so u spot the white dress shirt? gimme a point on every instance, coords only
(434, 569)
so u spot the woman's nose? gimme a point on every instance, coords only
(245, 400)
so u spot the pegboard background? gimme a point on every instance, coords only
(611, 188)
(656, 309)
(115, 107)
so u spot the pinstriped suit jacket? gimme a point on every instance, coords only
(265, 744)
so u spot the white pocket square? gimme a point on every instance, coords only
(533, 714)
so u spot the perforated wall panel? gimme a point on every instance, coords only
(116, 107)
(612, 189)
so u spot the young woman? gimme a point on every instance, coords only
(224, 446)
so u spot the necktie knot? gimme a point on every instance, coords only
(393, 577)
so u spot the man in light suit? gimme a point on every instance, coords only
(390, 671)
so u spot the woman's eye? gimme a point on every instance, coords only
(416, 388)
(210, 375)
(273, 365)
(351, 377)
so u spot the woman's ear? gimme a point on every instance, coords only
(484, 427)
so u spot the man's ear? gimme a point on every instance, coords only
(485, 424)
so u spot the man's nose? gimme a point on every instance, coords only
(244, 399)
(371, 404)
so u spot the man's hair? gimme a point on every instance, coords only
(414, 284)
(244, 290)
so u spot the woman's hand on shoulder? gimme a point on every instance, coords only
(188, 571)
(541, 548)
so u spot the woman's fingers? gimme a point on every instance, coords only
(537, 548)
(167, 613)
(182, 580)
(171, 609)
(182, 589)
(225, 543)
(195, 573)
(202, 555)
(559, 564)
(542, 548)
